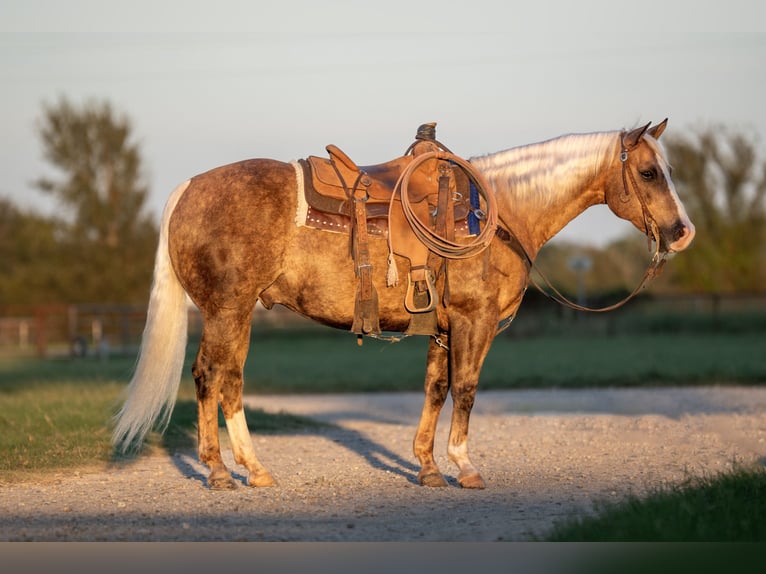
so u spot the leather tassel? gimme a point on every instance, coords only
(392, 275)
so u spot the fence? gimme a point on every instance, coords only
(52, 330)
(94, 330)
(104, 330)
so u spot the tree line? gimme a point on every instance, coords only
(99, 247)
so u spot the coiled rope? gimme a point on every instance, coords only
(436, 243)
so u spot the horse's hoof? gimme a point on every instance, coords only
(433, 479)
(261, 480)
(474, 481)
(221, 482)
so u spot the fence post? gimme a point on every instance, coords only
(41, 331)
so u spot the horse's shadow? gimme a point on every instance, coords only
(180, 438)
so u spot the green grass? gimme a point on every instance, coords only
(726, 508)
(627, 360)
(47, 427)
(307, 361)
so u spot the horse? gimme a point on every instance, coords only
(229, 238)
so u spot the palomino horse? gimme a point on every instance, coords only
(229, 237)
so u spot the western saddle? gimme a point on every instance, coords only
(429, 204)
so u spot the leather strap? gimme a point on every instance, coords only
(366, 319)
(366, 308)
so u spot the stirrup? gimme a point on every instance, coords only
(426, 300)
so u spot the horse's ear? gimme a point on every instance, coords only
(632, 138)
(656, 131)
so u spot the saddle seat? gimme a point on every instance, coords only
(331, 174)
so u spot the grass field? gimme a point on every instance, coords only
(55, 414)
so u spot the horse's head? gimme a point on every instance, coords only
(642, 192)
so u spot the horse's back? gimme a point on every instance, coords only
(251, 185)
(227, 231)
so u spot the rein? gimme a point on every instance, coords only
(652, 271)
(650, 228)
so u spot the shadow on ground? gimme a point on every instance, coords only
(180, 437)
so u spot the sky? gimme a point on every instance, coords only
(206, 84)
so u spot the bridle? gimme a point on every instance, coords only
(650, 228)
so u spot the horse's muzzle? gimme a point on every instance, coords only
(681, 236)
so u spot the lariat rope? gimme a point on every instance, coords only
(436, 243)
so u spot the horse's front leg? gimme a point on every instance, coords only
(468, 348)
(463, 399)
(436, 386)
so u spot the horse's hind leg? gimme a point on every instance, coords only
(208, 379)
(242, 446)
(436, 387)
(217, 374)
(239, 434)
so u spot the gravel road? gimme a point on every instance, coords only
(545, 455)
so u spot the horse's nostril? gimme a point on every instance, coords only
(680, 232)
(682, 235)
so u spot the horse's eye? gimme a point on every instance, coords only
(647, 174)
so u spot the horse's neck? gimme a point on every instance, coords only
(542, 187)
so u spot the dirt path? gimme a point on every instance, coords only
(544, 454)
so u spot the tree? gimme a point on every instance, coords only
(28, 245)
(109, 236)
(722, 183)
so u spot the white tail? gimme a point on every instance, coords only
(152, 392)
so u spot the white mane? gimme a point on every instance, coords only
(544, 171)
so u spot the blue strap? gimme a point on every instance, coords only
(474, 228)
(473, 222)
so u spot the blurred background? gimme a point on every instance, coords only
(106, 107)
